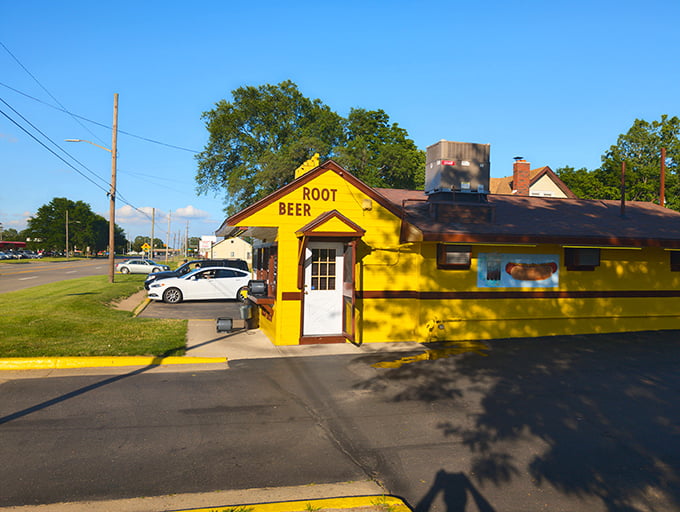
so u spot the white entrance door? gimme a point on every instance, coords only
(323, 289)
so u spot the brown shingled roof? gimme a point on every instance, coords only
(523, 219)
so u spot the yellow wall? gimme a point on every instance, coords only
(385, 265)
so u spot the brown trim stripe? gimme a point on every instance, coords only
(534, 294)
(291, 296)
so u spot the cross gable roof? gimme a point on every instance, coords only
(331, 223)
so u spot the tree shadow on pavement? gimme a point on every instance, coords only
(601, 408)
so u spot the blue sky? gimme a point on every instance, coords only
(554, 82)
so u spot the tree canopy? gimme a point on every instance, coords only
(257, 140)
(47, 228)
(640, 149)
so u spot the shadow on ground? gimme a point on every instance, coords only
(605, 407)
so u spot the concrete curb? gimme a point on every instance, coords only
(49, 363)
(141, 307)
(381, 503)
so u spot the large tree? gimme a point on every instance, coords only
(380, 153)
(257, 140)
(640, 149)
(47, 228)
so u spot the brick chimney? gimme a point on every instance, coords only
(520, 177)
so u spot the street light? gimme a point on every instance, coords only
(112, 192)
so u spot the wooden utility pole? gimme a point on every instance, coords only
(153, 225)
(662, 195)
(112, 193)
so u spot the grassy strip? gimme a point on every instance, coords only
(75, 318)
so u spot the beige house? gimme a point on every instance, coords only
(233, 248)
(541, 182)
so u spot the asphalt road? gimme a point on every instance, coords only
(27, 273)
(564, 423)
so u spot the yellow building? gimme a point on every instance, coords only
(343, 261)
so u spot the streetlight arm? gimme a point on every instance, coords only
(89, 142)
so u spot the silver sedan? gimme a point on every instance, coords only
(140, 266)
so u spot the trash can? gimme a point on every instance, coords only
(246, 311)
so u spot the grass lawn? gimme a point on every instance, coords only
(75, 318)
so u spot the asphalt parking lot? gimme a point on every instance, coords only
(193, 310)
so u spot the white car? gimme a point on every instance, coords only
(202, 284)
(140, 267)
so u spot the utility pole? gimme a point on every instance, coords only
(66, 235)
(186, 238)
(153, 225)
(167, 239)
(112, 193)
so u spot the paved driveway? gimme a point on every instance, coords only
(195, 309)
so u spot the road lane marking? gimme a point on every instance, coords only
(25, 278)
(71, 272)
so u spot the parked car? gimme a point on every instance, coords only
(187, 267)
(202, 284)
(139, 266)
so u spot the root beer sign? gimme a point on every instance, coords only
(309, 194)
(518, 270)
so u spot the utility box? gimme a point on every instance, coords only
(457, 167)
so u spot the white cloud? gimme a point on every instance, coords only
(8, 138)
(189, 212)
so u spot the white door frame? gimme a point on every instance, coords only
(322, 302)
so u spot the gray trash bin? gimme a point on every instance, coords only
(246, 311)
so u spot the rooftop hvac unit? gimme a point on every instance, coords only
(457, 166)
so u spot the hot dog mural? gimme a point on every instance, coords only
(498, 270)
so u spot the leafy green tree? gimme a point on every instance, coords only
(11, 234)
(380, 153)
(258, 140)
(640, 149)
(141, 240)
(584, 183)
(47, 228)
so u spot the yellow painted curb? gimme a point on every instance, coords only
(381, 503)
(43, 363)
(141, 307)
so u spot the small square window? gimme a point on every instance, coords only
(455, 257)
(581, 258)
(675, 261)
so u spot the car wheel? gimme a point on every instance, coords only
(124, 270)
(242, 294)
(155, 269)
(172, 295)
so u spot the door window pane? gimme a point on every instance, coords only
(323, 269)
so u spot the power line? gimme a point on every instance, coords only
(51, 151)
(53, 143)
(66, 153)
(97, 123)
(48, 92)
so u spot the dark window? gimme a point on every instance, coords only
(581, 258)
(675, 261)
(455, 257)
